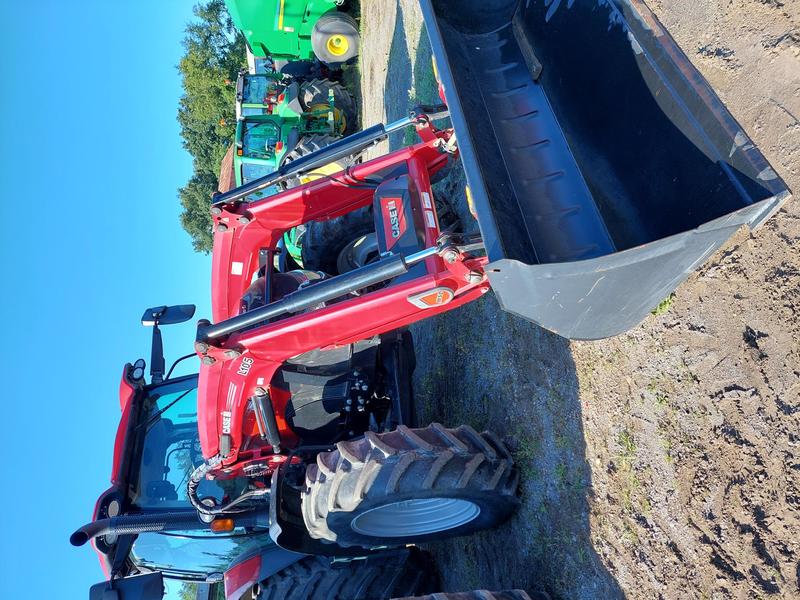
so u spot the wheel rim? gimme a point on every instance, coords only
(361, 251)
(338, 45)
(415, 517)
(339, 117)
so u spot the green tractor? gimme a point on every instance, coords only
(297, 30)
(278, 120)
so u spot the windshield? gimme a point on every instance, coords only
(259, 139)
(186, 556)
(257, 90)
(251, 171)
(171, 451)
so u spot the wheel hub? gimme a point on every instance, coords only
(415, 517)
(338, 45)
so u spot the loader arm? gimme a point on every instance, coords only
(243, 231)
(240, 362)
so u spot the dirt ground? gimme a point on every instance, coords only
(662, 463)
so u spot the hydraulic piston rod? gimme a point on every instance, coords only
(348, 146)
(386, 268)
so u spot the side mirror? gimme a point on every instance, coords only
(140, 587)
(168, 315)
(163, 315)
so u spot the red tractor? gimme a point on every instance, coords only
(589, 215)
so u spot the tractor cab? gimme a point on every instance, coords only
(273, 115)
(261, 142)
(257, 94)
(157, 447)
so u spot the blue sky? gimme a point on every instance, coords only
(90, 166)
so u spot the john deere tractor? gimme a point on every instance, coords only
(297, 30)
(280, 119)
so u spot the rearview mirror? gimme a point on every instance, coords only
(140, 587)
(168, 315)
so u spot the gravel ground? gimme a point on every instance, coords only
(662, 463)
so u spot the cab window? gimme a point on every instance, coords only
(171, 451)
(259, 139)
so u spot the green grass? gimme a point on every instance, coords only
(626, 441)
(630, 485)
(664, 305)
(528, 449)
(561, 472)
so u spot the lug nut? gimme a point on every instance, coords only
(209, 360)
(243, 220)
(360, 409)
(216, 210)
(364, 387)
(201, 347)
(348, 408)
(349, 401)
(232, 354)
(222, 228)
(260, 391)
(360, 400)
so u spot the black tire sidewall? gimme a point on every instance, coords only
(326, 239)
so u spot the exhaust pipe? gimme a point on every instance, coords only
(135, 524)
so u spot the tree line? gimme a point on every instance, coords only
(214, 52)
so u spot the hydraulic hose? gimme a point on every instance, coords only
(198, 475)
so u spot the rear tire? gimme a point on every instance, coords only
(315, 92)
(361, 251)
(409, 486)
(324, 240)
(335, 39)
(307, 145)
(407, 573)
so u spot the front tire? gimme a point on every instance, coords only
(406, 573)
(409, 486)
(361, 251)
(324, 241)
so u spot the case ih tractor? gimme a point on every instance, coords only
(588, 215)
(382, 486)
(297, 30)
(145, 524)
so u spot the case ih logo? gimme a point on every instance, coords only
(226, 422)
(394, 220)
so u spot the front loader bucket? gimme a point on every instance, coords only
(602, 166)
